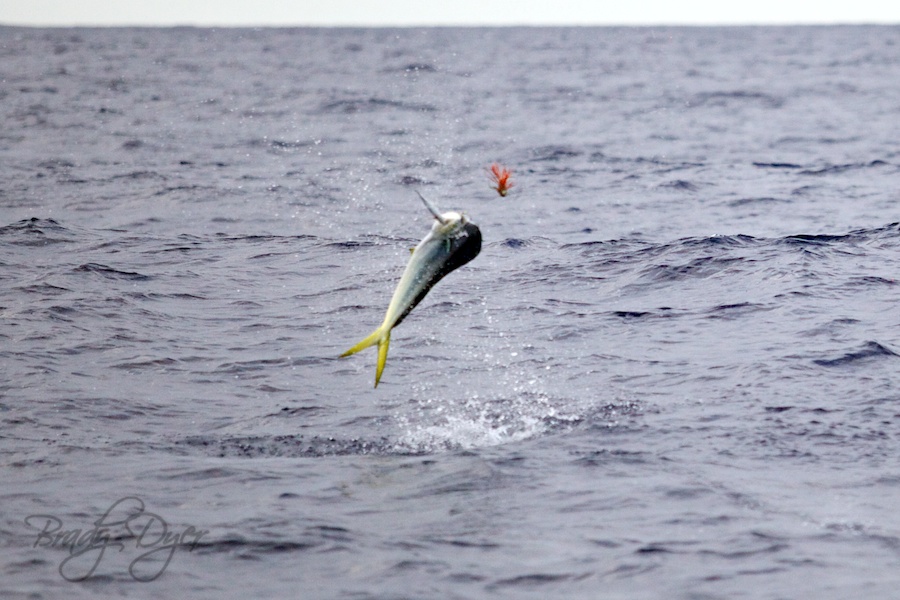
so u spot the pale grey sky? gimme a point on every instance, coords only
(443, 12)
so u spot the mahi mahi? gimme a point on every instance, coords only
(453, 241)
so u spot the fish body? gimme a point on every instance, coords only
(452, 242)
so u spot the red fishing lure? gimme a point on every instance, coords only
(500, 176)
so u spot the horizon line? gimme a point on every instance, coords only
(425, 24)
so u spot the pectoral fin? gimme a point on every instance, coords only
(383, 339)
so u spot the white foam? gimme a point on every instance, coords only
(462, 432)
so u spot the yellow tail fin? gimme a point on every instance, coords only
(370, 340)
(382, 355)
(383, 339)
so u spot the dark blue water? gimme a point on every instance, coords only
(671, 373)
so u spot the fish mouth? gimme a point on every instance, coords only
(433, 209)
(446, 222)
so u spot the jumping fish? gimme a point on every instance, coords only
(453, 241)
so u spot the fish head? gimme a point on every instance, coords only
(462, 236)
(457, 229)
(449, 223)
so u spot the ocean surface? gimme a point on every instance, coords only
(672, 372)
